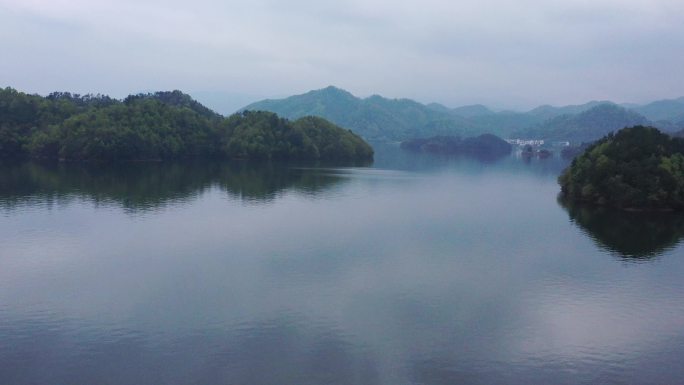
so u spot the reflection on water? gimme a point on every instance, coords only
(149, 185)
(391, 156)
(631, 235)
(415, 271)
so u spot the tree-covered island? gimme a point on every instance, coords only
(485, 145)
(162, 125)
(636, 168)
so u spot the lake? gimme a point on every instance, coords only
(414, 270)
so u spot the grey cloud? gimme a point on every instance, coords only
(503, 53)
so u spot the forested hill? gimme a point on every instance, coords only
(162, 125)
(485, 146)
(635, 168)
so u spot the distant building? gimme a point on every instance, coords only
(525, 142)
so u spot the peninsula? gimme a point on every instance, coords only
(162, 125)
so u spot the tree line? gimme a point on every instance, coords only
(161, 125)
(636, 168)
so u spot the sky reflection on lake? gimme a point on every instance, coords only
(414, 271)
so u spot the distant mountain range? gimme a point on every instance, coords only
(382, 119)
(375, 118)
(662, 110)
(585, 126)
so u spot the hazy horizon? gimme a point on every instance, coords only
(505, 55)
(229, 103)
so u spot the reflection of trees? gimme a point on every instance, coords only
(632, 235)
(141, 186)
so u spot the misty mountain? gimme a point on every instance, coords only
(472, 111)
(379, 118)
(504, 123)
(464, 111)
(586, 126)
(484, 120)
(671, 110)
(546, 112)
(374, 118)
(438, 107)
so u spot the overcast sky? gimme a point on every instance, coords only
(506, 54)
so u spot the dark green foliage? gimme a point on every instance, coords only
(265, 135)
(486, 145)
(331, 142)
(19, 114)
(638, 167)
(572, 151)
(174, 98)
(163, 125)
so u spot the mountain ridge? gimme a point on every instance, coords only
(377, 118)
(374, 117)
(588, 125)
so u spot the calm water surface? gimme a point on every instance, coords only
(416, 270)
